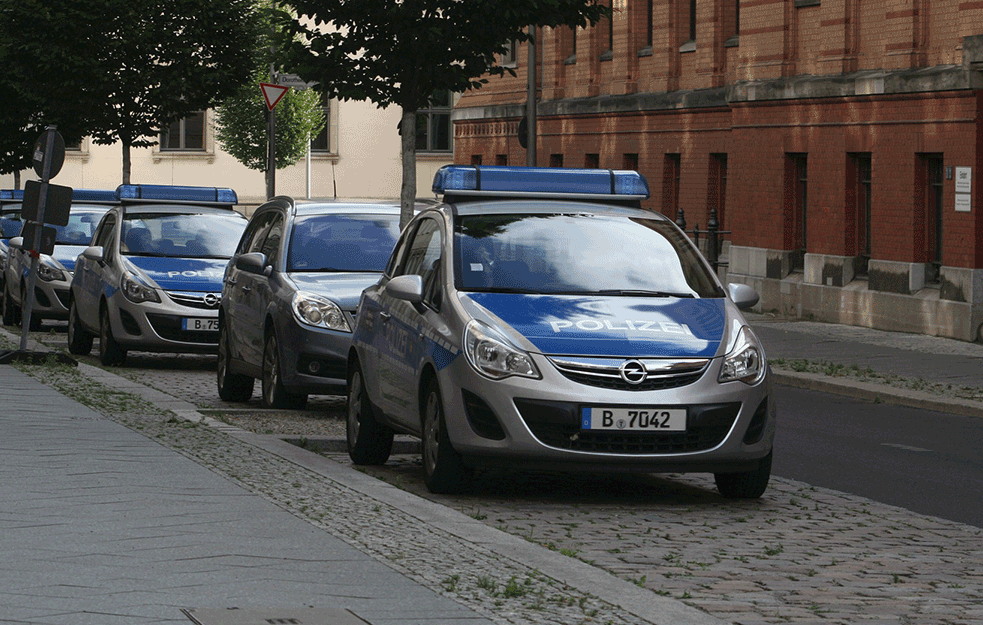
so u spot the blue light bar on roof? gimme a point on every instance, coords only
(11, 194)
(541, 181)
(93, 195)
(170, 193)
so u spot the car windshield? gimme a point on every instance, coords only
(10, 222)
(198, 235)
(578, 254)
(81, 225)
(342, 242)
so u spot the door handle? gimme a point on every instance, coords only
(385, 316)
(246, 289)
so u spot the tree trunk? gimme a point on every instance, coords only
(126, 162)
(17, 179)
(407, 195)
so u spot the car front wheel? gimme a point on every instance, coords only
(79, 339)
(231, 386)
(444, 469)
(369, 442)
(111, 353)
(746, 485)
(10, 316)
(274, 394)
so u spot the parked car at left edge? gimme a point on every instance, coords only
(10, 222)
(54, 271)
(152, 278)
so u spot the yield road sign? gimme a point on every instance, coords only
(272, 93)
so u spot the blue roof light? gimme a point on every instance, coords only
(539, 181)
(11, 194)
(93, 195)
(170, 193)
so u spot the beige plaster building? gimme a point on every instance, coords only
(358, 155)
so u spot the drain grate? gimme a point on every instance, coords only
(301, 616)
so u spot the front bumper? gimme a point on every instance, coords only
(160, 327)
(313, 360)
(520, 422)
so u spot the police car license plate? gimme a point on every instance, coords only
(199, 324)
(634, 419)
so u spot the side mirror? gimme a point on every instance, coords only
(16, 243)
(407, 288)
(744, 297)
(93, 252)
(253, 262)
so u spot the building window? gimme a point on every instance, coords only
(796, 208)
(717, 187)
(510, 57)
(476, 159)
(322, 142)
(670, 186)
(592, 161)
(649, 24)
(629, 162)
(692, 20)
(502, 159)
(433, 124)
(556, 160)
(931, 173)
(186, 134)
(859, 203)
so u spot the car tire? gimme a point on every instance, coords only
(10, 310)
(111, 353)
(274, 394)
(79, 339)
(443, 468)
(369, 442)
(231, 386)
(746, 485)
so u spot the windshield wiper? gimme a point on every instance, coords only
(643, 293)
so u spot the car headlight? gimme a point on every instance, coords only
(745, 362)
(49, 273)
(314, 310)
(491, 355)
(136, 291)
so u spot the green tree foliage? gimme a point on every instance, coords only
(240, 125)
(123, 70)
(399, 52)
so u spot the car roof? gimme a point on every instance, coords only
(347, 206)
(525, 206)
(178, 209)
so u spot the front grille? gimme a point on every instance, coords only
(557, 424)
(660, 373)
(195, 300)
(169, 327)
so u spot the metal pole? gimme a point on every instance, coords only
(531, 101)
(28, 299)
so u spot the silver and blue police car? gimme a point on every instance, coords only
(54, 271)
(151, 280)
(539, 318)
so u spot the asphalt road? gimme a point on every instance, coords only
(927, 462)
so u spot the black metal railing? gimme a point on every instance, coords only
(713, 232)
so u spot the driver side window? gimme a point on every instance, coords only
(423, 258)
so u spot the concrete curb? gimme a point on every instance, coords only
(869, 391)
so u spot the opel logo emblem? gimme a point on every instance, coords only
(211, 300)
(633, 372)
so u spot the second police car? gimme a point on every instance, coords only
(54, 272)
(539, 318)
(152, 278)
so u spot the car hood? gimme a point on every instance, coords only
(342, 288)
(608, 325)
(66, 255)
(183, 274)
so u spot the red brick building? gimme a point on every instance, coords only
(839, 142)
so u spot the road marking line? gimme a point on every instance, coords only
(905, 447)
